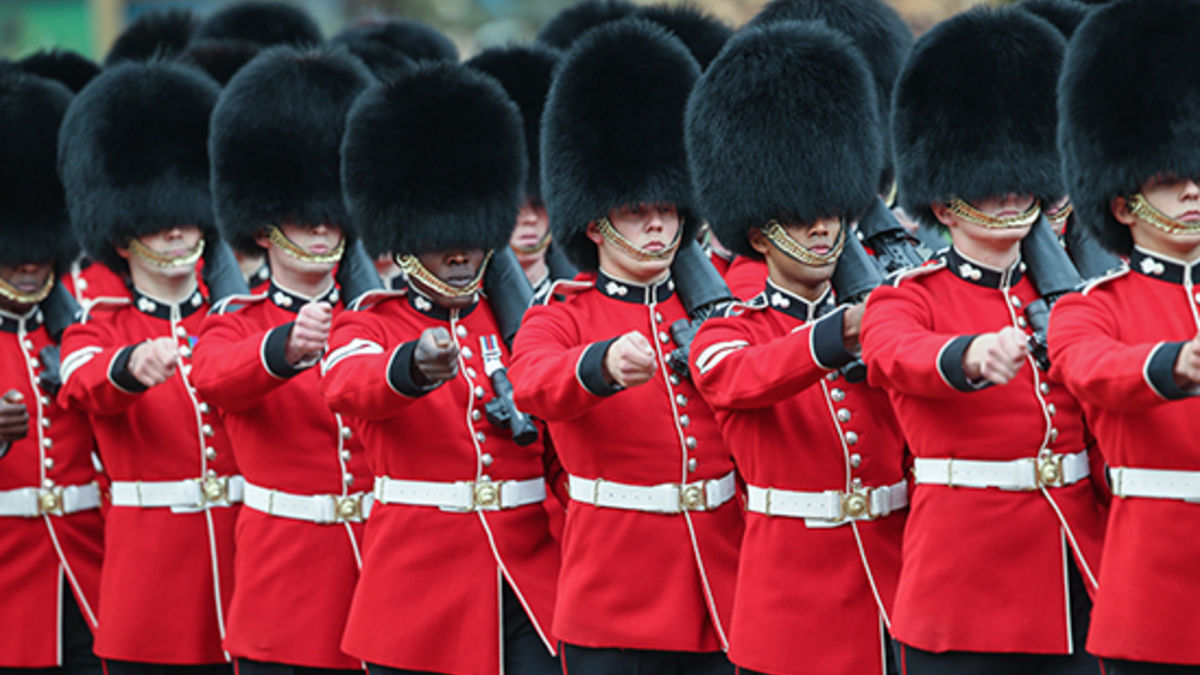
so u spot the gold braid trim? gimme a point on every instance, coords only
(1059, 218)
(1144, 210)
(159, 260)
(963, 210)
(610, 233)
(536, 248)
(778, 236)
(893, 192)
(10, 293)
(289, 247)
(414, 269)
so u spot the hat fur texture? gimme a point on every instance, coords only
(154, 34)
(568, 25)
(61, 65)
(410, 39)
(702, 33)
(263, 23)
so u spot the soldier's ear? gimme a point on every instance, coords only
(943, 215)
(758, 241)
(1119, 207)
(593, 233)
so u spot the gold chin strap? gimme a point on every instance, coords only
(413, 268)
(142, 251)
(1058, 219)
(10, 293)
(641, 255)
(890, 199)
(289, 247)
(778, 236)
(536, 248)
(971, 214)
(1144, 210)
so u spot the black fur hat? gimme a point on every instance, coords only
(1129, 106)
(612, 132)
(434, 162)
(69, 68)
(525, 72)
(275, 139)
(221, 59)
(1066, 15)
(132, 155)
(703, 34)
(158, 34)
(783, 81)
(973, 113)
(877, 31)
(263, 23)
(572, 22)
(391, 48)
(33, 216)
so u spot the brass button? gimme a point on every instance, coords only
(680, 400)
(185, 351)
(211, 473)
(476, 415)
(664, 338)
(28, 344)
(45, 422)
(690, 442)
(47, 443)
(1051, 409)
(471, 372)
(204, 408)
(855, 460)
(48, 462)
(479, 392)
(345, 455)
(1022, 322)
(45, 400)
(48, 483)
(181, 331)
(851, 438)
(1016, 302)
(467, 353)
(346, 433)
(1053, 434)
(837, 395)
(843, 415)
(831, 376)
(210, 453)
(480, 437)
(684, 421)
(348, 478)
(1044, 388)
(460, 330)
(692, 463)
(486, 459)
(34, 363)
(673, 379)
(658, 317)
(207, 430)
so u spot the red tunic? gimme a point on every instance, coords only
(94, 280)
(430, 593)
(44, 555)
(1115, 346)
(983, 569)
(284, 438)
(168, 573)
(821, 592)
(745, 277)
(629, 579)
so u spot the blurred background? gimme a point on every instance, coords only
(90, 26)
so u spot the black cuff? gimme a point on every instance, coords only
(1160, 371)
(399, 372)
(590, 369)
(118, 372)
(274, 353)
(826, 341)
(950, 365)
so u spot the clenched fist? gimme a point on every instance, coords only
(154, 362)
(996, 357)
(309, 333)
(435, 358)
(852, 326)
(1187, 364)
(630, 360)
(14, 417)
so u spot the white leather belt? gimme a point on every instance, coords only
(190, 493)
(1028, 473)
(323, 509)
(662, 498)
(1155, 483)
(31, 502)
(461, 496)
(830, 508)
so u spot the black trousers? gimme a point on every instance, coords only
(251, 667)
(890, 667)
(114, 667)
(1118, 667)
(78, 658)
(915, 661)
(524, 651)
(589, 661)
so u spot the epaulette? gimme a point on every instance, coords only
(371, 298)
(561, 288)
(932, 265)
(1114, 274)
(102, 303)
(233, 303)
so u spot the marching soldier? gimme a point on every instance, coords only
(458, 562)
(134, 165)
(51, 530)
(1002, 544)
(652, 530)
(1127, 345)
(822, 458)
(276, 132)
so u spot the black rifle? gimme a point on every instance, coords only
(508, 294)
(856, 275)
(59, 310)
(703, 293)
(221, 273)
(558, 265)
(356, 275)
(1089, 257)
(1053, 275)
(895, 249)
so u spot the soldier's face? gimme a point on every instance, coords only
(27, 278)
(806, 280)
(648, 227)
(532, 224)
(456, 268)
(1177, 198)
(1005, 206)
(319, 239)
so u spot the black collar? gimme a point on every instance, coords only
(980, 274)
(162, 309)
(1159, 266)
(425, 305)
(628, 291)
(795, 306)
(293, 301)
(12, 323)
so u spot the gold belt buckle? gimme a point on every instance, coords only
(856, 505)
(50, 501)
(347, 509)
(691, 497)
(215, 489)
(487, 494)
(1050, 471)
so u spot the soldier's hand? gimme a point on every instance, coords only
(1187, 364)
(435, 358)
(630, 360)
(154, 362)
(310, 333)
(852, 326)
(14, 417)
(996, 357)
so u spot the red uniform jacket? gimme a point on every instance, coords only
(284, 438)
(48, 555)
(429, 596)
(94, 280)
(1115, 346)
(983, 569)
(164, 571)
(629, 579)
(745, 277)
(821, 593)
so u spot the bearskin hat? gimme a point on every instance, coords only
(434, 162)
(33, 216)
(877, 31)
(524, 72)
(160, 34)
(566, 26)
(263, 23)
(64, 66)
(275, 139)
(703, 34)
(785, 80)
(1066, 15)
(221, 59)
(391, 48)
(973, 114)
(612, 132)
(1130, 106)
(132, 155)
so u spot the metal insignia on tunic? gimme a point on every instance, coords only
(422, 304)
(613, 288)
(778, 300)
(282, 300)
(1152, 266)
(146, 305)
(969, 271)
